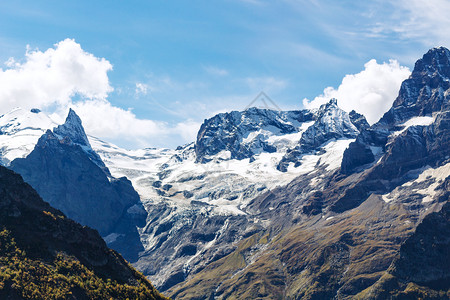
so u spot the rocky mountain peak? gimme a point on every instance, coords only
(413, 134)
(436, 60)
(246, 133)
(332, 103)
(333, 113)
(358, 120)
(424, 92)
(331, 122)
(73, 129)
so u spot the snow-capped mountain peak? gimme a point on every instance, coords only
(331, 122)
(248, 133)
(73, 129)
(435, 61)
(20, 130)
(423, 100)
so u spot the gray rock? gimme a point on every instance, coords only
(68, 174)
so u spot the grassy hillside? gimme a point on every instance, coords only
(44, 255)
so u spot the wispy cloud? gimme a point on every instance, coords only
(268, 83)
(141, 88)
(215, 71)
(417, 20)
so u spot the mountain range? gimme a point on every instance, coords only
(265, 204)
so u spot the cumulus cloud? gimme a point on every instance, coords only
(67, 76)
(53, 77)
(102, 119)
(370, 92)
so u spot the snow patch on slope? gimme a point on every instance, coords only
(432, 177)
(415, 121)
(223, 185)
(19, 132)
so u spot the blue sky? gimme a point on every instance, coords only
(175, 63)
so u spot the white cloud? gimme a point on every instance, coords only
(370, 92)
(187, 130)
(53, 77)
(101, 119)
(412, 19)
(141, 88)
(50, 79)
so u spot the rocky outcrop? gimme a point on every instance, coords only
(68, 174)
(421, 96)
(330, 123)
(352, 233)
(231, 132)
(422, 266)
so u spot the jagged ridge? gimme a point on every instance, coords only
(68, 174)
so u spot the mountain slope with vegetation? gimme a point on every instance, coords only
(43, 254)
(377, 228)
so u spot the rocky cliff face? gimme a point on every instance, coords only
(421, 98)
(343, 234)
(45, 254)
(330, 123)
(68, 174)
(413, 134)
(265, 204)
(421, 269)
(244, 134)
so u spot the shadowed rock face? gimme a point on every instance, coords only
(425, 256)
(227, 131)
(355, 233)
(68, 174)
(65, 176)
(421, 269)
(422, 95)
(44, 233)
(330, 123)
